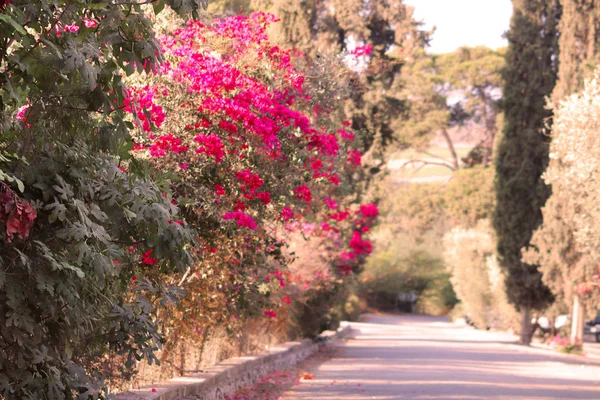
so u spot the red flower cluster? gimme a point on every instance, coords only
(250, 182)
(287, 214)
(354, 157)
(164, 144)
(303, 193)
(147, 258)
(140, 102)
(243, 220)
(211, 145)
(359, 246)
(17, 214)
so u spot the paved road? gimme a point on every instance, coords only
(408, 357)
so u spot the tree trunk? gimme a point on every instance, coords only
(451, 148)
(577, 321)
(526, 331)
(490, 128)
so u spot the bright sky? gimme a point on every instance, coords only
(464, 22)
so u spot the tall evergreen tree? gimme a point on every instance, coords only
(530, 77)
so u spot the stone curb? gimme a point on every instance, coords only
(232, 374)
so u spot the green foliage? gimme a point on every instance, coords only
(69, 294)
(471, 74)
(322, 310)
(469, 196)
(470, 257)
(428, 111)
(476, 74)
(409, 237)
(523, 153)
(398, 269)
(579, 33)
(375, 104)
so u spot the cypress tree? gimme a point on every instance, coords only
(530, 77)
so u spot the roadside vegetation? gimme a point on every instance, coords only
(183, 181)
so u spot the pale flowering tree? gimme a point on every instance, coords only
(574, 173)
(567, 243)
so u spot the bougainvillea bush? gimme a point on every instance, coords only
(254, 161)
(134, 215)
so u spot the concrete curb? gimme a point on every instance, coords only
(228, 376)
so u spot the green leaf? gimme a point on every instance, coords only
(129, 214)
(20, 185)
(8, 19)
(158, 6)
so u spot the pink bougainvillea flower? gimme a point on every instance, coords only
(271, 314)
(362, 50)
(287, 214)
(239, 206)
(332, 204)
(345, 269)
(250, 181)
(361, 247)
(264, 197)
(354, 157)
(347, 256)
(339, 216)
(164, 144)
(344, 134)
(89, 23)
(73, 28)
(21, 113)
(303, 193)
(138, 147)
(219, 190)
(147, 258)
(316, 165)
(369, 210)
(243, 220)
(211, 145)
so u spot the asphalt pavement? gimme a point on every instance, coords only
(417, 357)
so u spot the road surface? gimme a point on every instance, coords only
(412, 357)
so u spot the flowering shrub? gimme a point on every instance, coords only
(262, 164)
(566, 345)
(183, 190)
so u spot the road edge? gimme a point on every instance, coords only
(228, 376)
